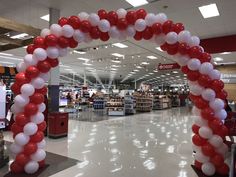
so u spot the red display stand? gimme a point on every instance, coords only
(57, 125)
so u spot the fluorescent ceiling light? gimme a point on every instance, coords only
(208, 11)
(115, 66)
(19, 36)
(175, 72)
(152, 57)
(167, 74)
(136, 3)
(155, 71)
(159, 48)
(144, 63)
(45, 17)
(87, 64)
(225, 53)
(120, 45)
(139, 67)
(84, 59)
(218, 59)
(115, 61)
(151, 73)
(113, 69)
(117, 55)
(68, 69)
(79, 52)
(163, 75)
(136, 70)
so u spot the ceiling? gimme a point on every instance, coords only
(102, 62)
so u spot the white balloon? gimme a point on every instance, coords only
(40, 54)
(39, 155)
(216, 141)
(37, 118)
(21, 100)
(130, 31)
(15, 109)
(184, 36)
(41, 144)
(63, 51)
(140, 25)
(161, 18)
(160, 39)
(208, 169)
(44, 76)
(104, 25)
(215, 74)
(217, 104)
(67, 31)
(205, 132)
(27, 90)
(87, 38)
(79, 36)
(200, 121)
(122, 35)
(83, 16)
(194, 41)
(38, 83)
(208, 94)
(93, 19)
(196, 111)
(56, 30)
(15, 148)
(21, 139)
(53, 52)
(45, 32)
(29, 60)
(121, 13)
(21, 67)
(182, 60)
(206, 68)
(223, 149)
(221, 114)
(194, 64)
(113, 32)
(30, 128)
(171, 37)
(200, 157)
(41, 107)
(196, 148)
(31, 167)
(196, 89)
(150, 19)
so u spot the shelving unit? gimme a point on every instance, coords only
(143, 102)
(115, 107)
(161, 102)
(129, 104)
(175, 101)
(99, 103)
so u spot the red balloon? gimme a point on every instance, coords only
(42, 126)
(37, 137)
(193, 97)
(167, 26)
(85, 26)
(15, 88)
(195, 128)
(39, 41)
(32, 72)
(30, 109)
(63, 42)
(53, 62)
(183, 48)
(15, 168)
(178, 27)
(204, 80)
(222, 94)
(217, 160)
(172, 49)
(215, 124)
(73, 43)
(223, 170)
(224, 130)
(193, 75)
(164, 46)
(131, 17)
(51, 40)
(217, 85)
(208, 114)
(198, 141)
(197, 164)
(138, 36)
(15, 128)
(22, 159)
(95, 33)
(147, 33)
(200, 103)
(30, 48)
(112, 17)
(102, 14)
(41, 164)
(43, 66)
(74, 21)
(21, 79)
(30, 148)
(104, 36)
(21, 119)
(42, 91)
(205, 57)
(157, 28)
(37, 98)
(195, 52)
(208, 150)
(185, 69)
(141, 13)
(122, 24)
(63, 21)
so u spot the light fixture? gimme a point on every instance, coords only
(79, 52)
(136, 70)
(113, 69)
(64, 66)
(68, 69)
(115, 61)
(175, 72)
(144, 63)
(83, 59)
(167, 74)
(151, 73)
(225, 53)
(87, 64)
(218, 59)
(45, 17)
(159, 48)
(120, 45)
(152, 57)
(139, 67)
(19, 36)
(163, 75)
(117, 55)
(6, 54)
(209, 11)
(115, 66)
(136, 3)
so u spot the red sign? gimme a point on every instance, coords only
(168, 66)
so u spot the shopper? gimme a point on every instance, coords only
(69, 97)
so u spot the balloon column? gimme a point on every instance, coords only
(206, 88)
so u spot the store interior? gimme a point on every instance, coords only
(119, 107)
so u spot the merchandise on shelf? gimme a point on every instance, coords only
(161, 102)
(115, 107)
(98, 103)
(175, 101)
(143, 102)
(129, 104)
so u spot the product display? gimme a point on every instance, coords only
(143, 102)
(98, 103)
(115, 107)
(161, 102)
(129, 104)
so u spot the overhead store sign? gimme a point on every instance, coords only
(228, 78)
(168, 66)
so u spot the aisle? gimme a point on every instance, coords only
(156, 144)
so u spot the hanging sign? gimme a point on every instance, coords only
(168, 66)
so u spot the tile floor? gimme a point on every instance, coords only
(156, 144)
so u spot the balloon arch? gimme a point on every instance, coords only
(206, 88)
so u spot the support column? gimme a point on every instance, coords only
(135, 84)
(53, 84)
(85, 81)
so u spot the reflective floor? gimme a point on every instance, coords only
(156, 144)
